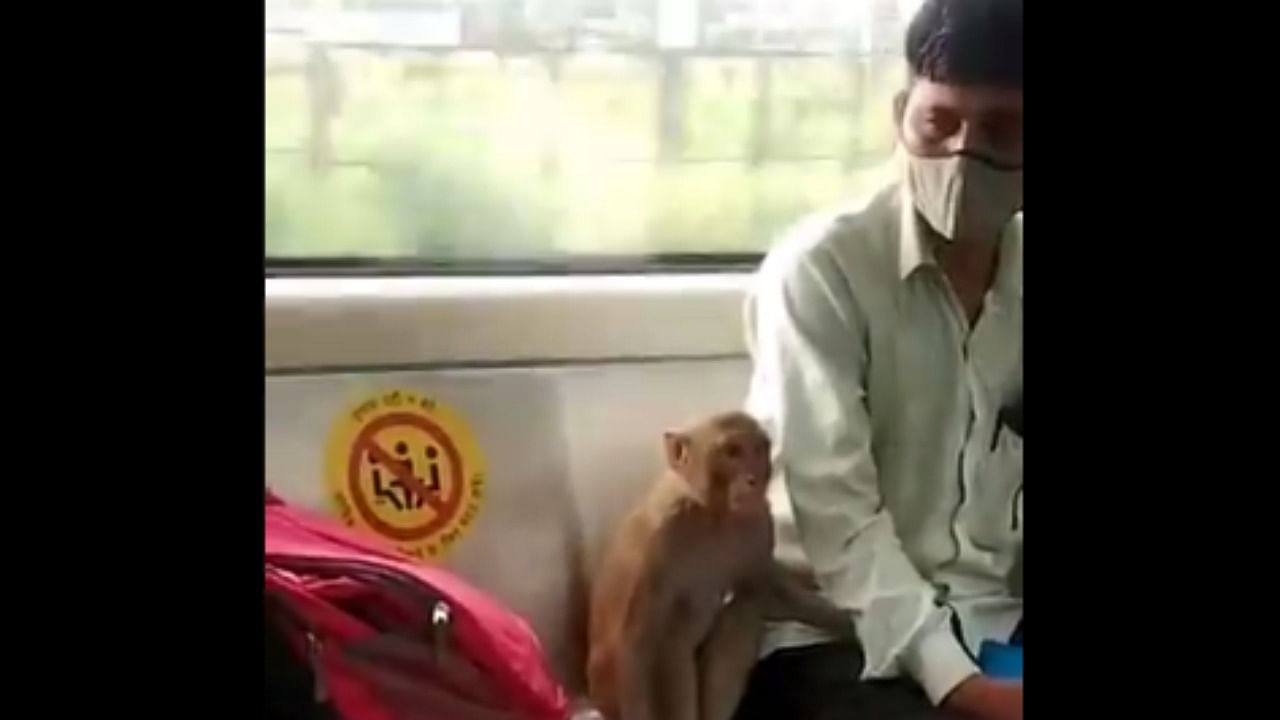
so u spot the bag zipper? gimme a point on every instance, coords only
(441, 627)
(462, 680)
(440, 619)
(314, 649)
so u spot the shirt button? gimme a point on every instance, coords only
(944, 594)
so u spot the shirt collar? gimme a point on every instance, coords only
(916, 249)
(916, 245)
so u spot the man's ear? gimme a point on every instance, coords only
(677, 449)
(899, 110)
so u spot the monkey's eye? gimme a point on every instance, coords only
(733, 451)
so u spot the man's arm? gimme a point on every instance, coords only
(808, 389)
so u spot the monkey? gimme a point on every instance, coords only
(679, 605)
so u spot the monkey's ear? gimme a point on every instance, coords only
(677, 447)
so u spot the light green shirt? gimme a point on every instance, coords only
(897, 487)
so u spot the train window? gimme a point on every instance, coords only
(493, 135)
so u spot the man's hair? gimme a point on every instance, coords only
(967, 42)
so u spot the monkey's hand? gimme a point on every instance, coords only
(844, 626)
(821, 613)
(791, 597)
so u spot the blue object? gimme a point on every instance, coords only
(1000, 660)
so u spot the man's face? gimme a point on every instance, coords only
(937, 120)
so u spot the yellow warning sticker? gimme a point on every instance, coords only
(408, 468)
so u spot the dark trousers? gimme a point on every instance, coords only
(820, 682)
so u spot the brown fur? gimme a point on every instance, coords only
(679, 604)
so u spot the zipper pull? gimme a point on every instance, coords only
(314, 649)
(441, 619)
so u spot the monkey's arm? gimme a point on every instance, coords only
(636, 663)
(784, 593)
(643, 658)
(677, 688)
(784, 597)
(726, 657)
(637, 656)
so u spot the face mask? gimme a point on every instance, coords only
(961, 196)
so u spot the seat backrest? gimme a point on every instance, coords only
(568, 452)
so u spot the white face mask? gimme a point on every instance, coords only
(961, 196)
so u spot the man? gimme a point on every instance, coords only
(887, 344)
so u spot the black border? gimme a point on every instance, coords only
(1150, 308)
(136, 303)
(138, 201)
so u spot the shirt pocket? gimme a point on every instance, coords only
(996, 520)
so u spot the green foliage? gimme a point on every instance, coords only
(474, 155)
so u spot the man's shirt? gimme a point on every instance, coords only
(898, 484)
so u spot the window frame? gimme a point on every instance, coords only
(561, 265)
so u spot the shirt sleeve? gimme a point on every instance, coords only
(807, 338)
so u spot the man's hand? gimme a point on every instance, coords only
(981, 698)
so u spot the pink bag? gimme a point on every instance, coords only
(390, 639)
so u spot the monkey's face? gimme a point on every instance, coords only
(739, 468)
(726, 460)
